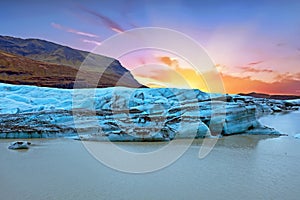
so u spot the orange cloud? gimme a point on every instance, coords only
(235, 85)
(168, 61)
(190, 75)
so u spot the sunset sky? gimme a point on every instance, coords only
(255, 45)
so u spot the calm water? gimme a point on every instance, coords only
(239, 167)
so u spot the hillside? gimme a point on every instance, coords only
(18, 70)
(42, 50)
(24, 52)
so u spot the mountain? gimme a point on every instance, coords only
(43, 51)
(19, 70)
(17, 51)
(268, 96)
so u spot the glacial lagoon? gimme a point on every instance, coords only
(238, 167)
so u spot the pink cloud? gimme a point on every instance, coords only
(70, 30)
(255, 63)
(255, 70)
(91, 42)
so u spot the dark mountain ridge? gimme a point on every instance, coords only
(269, 96)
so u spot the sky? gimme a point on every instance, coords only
(254, 45)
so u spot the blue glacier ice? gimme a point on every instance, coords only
(127, 114)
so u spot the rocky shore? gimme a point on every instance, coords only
(126, 114)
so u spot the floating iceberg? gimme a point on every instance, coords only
(19, 145)
(297, 136)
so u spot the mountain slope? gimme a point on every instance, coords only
(43, 51)
(52, 53)
(15, 69)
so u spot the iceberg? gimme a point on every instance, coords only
(19, 145)
(297, 136)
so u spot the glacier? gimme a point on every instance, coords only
(127, 114)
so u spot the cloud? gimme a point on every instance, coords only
(220, 68)
(287, 76)
(232, 84)
(273, 82)
(91, 42)
(255, 63)
(255, 70)
(283, 83)
(192, 77)
(250, 68)
(246, 84)
(105, 20)
(169, 61)
(156, 85)
(155, 72)
(70, 30)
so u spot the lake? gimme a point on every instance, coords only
(238, 167)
